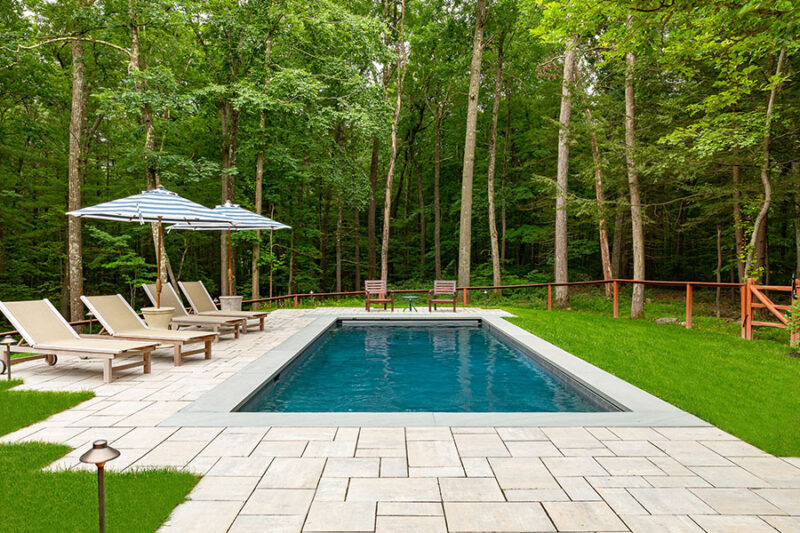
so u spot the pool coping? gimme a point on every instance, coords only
(640, 408)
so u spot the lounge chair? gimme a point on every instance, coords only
(122, 322)
(202, 304)
(47, 334)
(376, 292)
(442, 288)
(220, 325)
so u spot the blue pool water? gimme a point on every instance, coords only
(419, 368)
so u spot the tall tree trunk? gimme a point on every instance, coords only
(387, 208)
(738, 223)
(605, 255)
(506, 140)
(339, 242)
(637, 223)
(796, 174)
(562, 175)
(765, 171)
(437, 209)
(323, 240)
(230, 138)
(465, 225)
(76, 121)
(255, 282)
(373, 186)
(616, 251)
(357, 248)
(498, 94)
(719, 265)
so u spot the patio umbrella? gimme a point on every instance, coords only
(242, 219)
(156, 205)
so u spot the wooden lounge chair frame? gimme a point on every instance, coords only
(442, 288)
(178, 340)
(203, 304)
(51, 353)
(220, 325)
(376, 293)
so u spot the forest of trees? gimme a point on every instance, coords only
(491, 141)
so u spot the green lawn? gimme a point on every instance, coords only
(67, 501)
(748, 388)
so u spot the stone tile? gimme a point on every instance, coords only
(410, 509)
(629, 466)
(209, 517)
(410, 524)
(729, 477)
(393, 490)
(695, 433)
(240, 466)
(621, 501)
(172, 453)
(787, 499)
(394, 467)
(237, 488)
(500, 517)
(343, 434)
(298, 433)
(124, 408)
(428, 433)
(732, 524)
(232, 444)
(633, 448)
(488, 445)
(587, 452)
(602, 434)
(532, 448)
(272, 523)
(536, 495)
(573, 466)
(472, 430)
(522, 473)
(583, 516)
(733, 448)
(279, 502)
(436, 471)
(201, 465)
(321, 448)
(341, 516)
(470, 490)
(284, 448)
(638, 434)
(381, 452)
(670, 501)
(521, 433)
(670, 466)
(736, 501)
(331, 489)
(578, 488)
(617, 482)
(690, 453)
(292, 473)
(352, 467)
(187, 433)
(665, 482)
(477, 467)
(774, 471)
(661, 524)
(433, 453)
(784, 524)
(572, 438)
(381, 438)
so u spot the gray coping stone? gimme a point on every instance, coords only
(637, 407)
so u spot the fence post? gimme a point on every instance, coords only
(793, 297)
(296, 302)
(688, 306)
(549, 297)
(465, 296)
(743, 304)
(616, 299)
(748, 319)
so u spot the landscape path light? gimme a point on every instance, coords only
(99, 455)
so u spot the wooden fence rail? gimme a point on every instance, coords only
(752, 297)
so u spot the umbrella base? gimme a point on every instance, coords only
(230, 303)
(158, 317)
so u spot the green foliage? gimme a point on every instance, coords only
(116, 255)
(793, 319)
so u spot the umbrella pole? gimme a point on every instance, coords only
(230, 265)
(158, 263)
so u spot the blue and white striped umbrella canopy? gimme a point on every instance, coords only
(155, 205)
(242, 220)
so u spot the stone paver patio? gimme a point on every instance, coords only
(415, 479)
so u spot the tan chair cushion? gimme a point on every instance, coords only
(169, 298)
(39, 322)
(196, 293)
(114, 313)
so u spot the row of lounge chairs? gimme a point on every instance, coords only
(47, 335)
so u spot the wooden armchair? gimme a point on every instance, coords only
(442, 288)
(376, 292)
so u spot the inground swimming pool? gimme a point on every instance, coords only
(358, 366)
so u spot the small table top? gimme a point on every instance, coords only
(409, 297)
